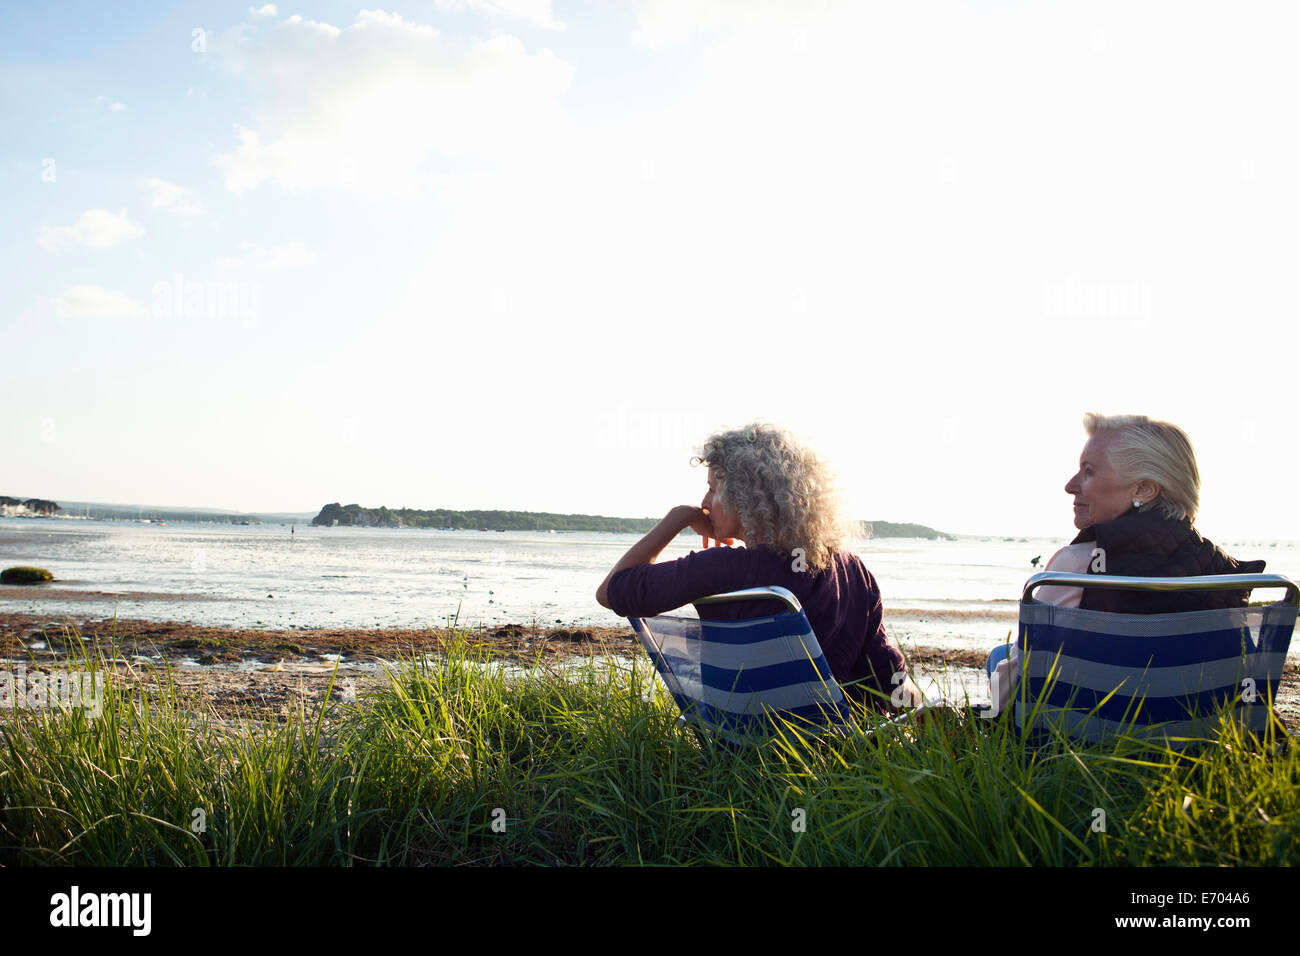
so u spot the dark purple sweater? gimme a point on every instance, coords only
(842, 603)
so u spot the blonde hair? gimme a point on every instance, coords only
(783, 494)
(1155, 451)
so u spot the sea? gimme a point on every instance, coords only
(946, 593)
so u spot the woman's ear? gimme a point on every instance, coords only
(1147, 491)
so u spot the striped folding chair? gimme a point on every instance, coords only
(1094, 674)
(741, 680)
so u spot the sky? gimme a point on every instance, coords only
(529, 254)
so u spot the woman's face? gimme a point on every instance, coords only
(1099, 495)
(725, 524)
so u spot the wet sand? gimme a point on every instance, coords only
(51, 592)
(176, 641)
(995, 611)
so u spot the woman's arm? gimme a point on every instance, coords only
(1074, 559)
(656, 539)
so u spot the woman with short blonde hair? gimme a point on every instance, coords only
(1136, 494)
(774, 494)
(1157, 451)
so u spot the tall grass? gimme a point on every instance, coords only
(455, 762)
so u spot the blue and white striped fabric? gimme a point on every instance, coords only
(734, 677)
(1096, 674)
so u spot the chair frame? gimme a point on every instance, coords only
(1206, 582)
(766, 593)
(1238, 582)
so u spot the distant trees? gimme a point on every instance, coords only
(891, 529)
(354, 515)
(36, 506)
(334, 514)
(383, 517)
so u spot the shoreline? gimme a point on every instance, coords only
(48, 592)
(270, 673)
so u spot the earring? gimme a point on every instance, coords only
(1137, 502)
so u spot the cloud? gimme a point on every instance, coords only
(288, 256)
(267, 10)
(383, 104)
(169, 196)
(113, 105)
(667, 23)
(537, 12)
(96, 302)
(97, 228)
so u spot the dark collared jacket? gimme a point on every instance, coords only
(1146, 543)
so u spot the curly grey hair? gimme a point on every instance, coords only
(783, 494)
(1156, 451)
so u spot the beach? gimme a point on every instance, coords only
(274, 673)
(252, 619)
(542, 744)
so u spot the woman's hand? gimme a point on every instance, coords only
(698, 520)
(688, 516)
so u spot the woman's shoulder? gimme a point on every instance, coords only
(732, 563)
(738, 554)
(848, 567)
(848, 560)
(1073, 558)
(1218, 561)
(845, 572)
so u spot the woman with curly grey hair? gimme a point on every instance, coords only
(776, 496)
